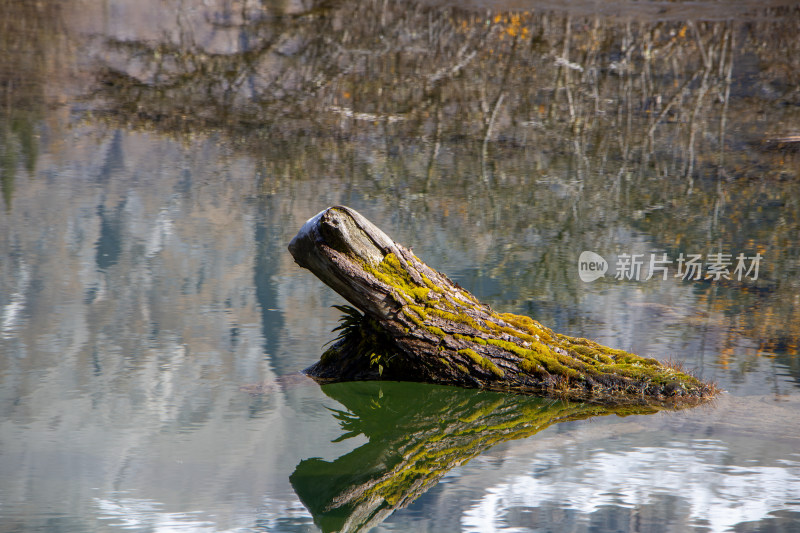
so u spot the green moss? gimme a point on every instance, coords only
(413, 317)
(436, 331)
(538, 353)
(592, 354)
(431, 285)
(531, 326)
(632, 359)
(647, 373)
(421, 311)
(493, 368)
(461, 318)
(476, 340)
(511, 347)
(472, 355)
(483, 362)
(420, 293)
(469, 297)
(496, 328)
(531, 367)
(408, 298)
(392, 273)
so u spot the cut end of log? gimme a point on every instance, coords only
(415, 324)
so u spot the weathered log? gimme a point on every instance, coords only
(417, 325)
(417, 433)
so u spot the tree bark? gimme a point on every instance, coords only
(417, 325)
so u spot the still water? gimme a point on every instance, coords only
(157, 157)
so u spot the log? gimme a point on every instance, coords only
(417, 433)
(411, 323)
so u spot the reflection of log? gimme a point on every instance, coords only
(420, 326)
(417, 433)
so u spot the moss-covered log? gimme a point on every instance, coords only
(417, 325)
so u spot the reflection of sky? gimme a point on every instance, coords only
(717, 496)
(136, 514)
(131, 513)
(11, 313)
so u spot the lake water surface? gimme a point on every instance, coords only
(157, 157)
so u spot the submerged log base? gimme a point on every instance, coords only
(417, 325)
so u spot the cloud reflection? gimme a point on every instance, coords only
(716, 496)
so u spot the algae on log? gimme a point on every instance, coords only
(420, 326)
(417, 433)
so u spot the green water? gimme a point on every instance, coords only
(156, 159)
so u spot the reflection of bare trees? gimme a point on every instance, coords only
(575, 124)
(654, 95)
(23, 63)
(545, 129)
